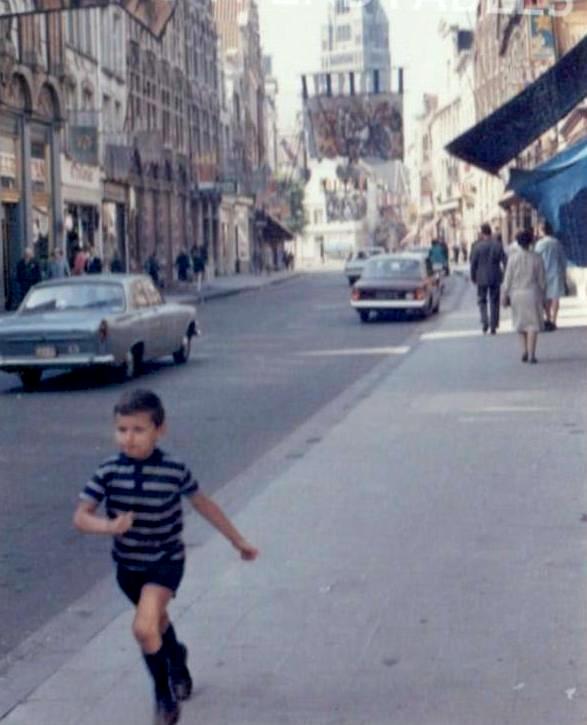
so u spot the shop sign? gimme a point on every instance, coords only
(79, 175)
(7, 165)
(81, 172)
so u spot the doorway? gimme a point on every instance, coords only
(10, 251)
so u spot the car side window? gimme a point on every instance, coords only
(151, 292)
(138, 295)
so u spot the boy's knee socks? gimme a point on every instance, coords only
(170, 644)
(159, 669)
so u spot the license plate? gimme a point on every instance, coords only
(46, 351)
(389, 295)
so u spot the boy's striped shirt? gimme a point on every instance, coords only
(152, 490)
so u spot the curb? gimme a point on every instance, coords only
(193, 299)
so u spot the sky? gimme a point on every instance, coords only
(290, 33)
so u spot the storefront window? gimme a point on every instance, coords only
(41, 192)
(9, 164)
(80, 228)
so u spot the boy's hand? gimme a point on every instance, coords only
(121, 524)
(247, 551)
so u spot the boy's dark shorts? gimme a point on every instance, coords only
(166, 575)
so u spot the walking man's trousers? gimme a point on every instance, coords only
(485, 294)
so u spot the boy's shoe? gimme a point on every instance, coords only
(167, 710)
(180, 675)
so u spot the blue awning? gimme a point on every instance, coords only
(558, 190)
(510, 129)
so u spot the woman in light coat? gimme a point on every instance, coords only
(523, 288)
(555, 265)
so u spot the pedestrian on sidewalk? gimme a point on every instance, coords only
(58, 265)
(28, 273)
(524, 286)
(141, 488)
(153, 268)
(488, 262)
(199, 268)
(183, 264)
(555, 266)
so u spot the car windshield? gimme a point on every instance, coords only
(58, 298)
(382, 268)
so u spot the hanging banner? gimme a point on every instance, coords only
(346, 195)
(356, 127)
(83, 144)
(151, 14)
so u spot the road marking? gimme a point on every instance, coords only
(356, 351)
(450, 334)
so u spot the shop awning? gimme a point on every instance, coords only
(558, 190)
(272, 229)
(510, 129)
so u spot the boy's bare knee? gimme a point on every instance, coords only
(146, 633)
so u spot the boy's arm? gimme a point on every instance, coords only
(210, 510)
(86, 520)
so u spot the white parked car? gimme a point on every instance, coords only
(353, 267)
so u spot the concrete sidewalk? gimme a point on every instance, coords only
(423, 558)
(185, 292)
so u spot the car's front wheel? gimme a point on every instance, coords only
(182, 355)
(131, 366)
(30, 379)
(364, 315)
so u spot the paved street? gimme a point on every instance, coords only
(267, 361)
(423, 554)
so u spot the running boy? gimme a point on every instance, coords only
(142, 488)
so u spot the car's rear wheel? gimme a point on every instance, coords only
(364, 315)
(30, 379)
(182, 355)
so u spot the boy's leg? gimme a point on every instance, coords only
(177, 654)
(151, 608)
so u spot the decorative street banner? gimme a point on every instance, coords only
(152, 14)
(83, 144)
(356, 126)
(346, 196)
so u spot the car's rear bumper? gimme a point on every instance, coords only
(389, 304)
(10, 363)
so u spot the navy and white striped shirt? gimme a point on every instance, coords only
(152, 490)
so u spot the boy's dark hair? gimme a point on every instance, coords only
(486, 229)
(525, 238)
(141, 401)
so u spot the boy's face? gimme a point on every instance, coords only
(137, 435)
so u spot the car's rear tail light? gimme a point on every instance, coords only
(420, 293)
(356, 294)
(103, 331)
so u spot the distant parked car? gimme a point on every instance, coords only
(116, 321)
(353, 267)
(392, 283)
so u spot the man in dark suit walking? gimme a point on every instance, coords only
(488, 262)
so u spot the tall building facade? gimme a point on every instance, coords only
(32, 116)
(355, 39)
(352, 204)
(240, 42)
